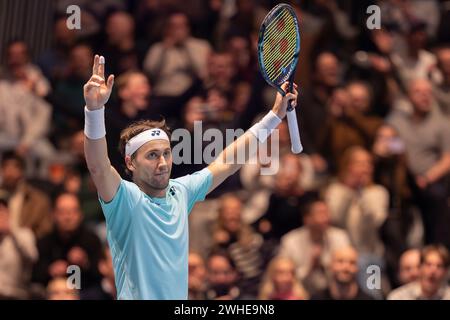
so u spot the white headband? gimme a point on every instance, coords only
(142, 138)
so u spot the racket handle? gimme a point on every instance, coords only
(296, 144)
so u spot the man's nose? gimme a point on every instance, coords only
(162, 161)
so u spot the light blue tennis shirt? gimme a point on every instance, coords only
(148, 237)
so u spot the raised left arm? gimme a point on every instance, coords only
(221, 168)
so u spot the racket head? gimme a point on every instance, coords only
(279, 46)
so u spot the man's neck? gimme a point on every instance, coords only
(152, 192)
(419, 116)
(429, 293)
(343, 291)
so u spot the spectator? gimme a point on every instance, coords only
(176, 62)
(244, 246)
(238, 45)
(357, 204)
(68, 94)
(197, 277)
(24, 124)
(70, 243)
(133, 90)
(416, 62)
(349, 123)
(120, 49)
(106, 289)
(282, 214)
(409, 266)
(29, 207)
(432, 281)
(343, 284)
(20, 70)
(57, 289)
(222, 278)
(317, 240)
(54, 61)
(221, 70)
(280, 282)
(18, 252)
(326, 77)
(427, 140)
(403, 225)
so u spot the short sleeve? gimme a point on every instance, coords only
(118, 212)
(197, 186)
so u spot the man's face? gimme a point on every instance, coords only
(153, 164)
(17, 54)
(11, 173)
(220, 272)
(289, 174)
(119, 27)
(421, 95)
(344, 265)
(361, 167)
(221, 66)
(67, 213)
(197, 269)
(328, 69)
(318, 218)
(230, 214)
(409, 269)
(360, 97)
(178, 27)
(284, 275)
(80, 60)
(136, 91)
(432, 272)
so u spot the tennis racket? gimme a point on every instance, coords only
(278, 50)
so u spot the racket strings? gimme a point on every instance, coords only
(275, 59)
(282, 57)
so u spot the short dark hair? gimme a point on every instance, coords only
(58, 195)
(13, 156)
(306, 208)
(223, 254)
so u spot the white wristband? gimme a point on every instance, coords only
(264, 128)
(94, 123)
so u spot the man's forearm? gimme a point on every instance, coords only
(440, 169)
(96, 154)
(240, 151)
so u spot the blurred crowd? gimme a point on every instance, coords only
(362, 213)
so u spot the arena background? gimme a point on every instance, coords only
(373, 113)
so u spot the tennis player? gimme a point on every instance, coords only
(147, 219)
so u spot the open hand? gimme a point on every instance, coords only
(96, 90)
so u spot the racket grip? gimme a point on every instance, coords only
(296, 144)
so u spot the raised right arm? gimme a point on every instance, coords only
(96, 94)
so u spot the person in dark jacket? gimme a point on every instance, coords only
(69, 244)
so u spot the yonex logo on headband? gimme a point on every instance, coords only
(139, 140)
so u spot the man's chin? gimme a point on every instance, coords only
(160, 185)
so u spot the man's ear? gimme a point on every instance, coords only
(129, 163)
